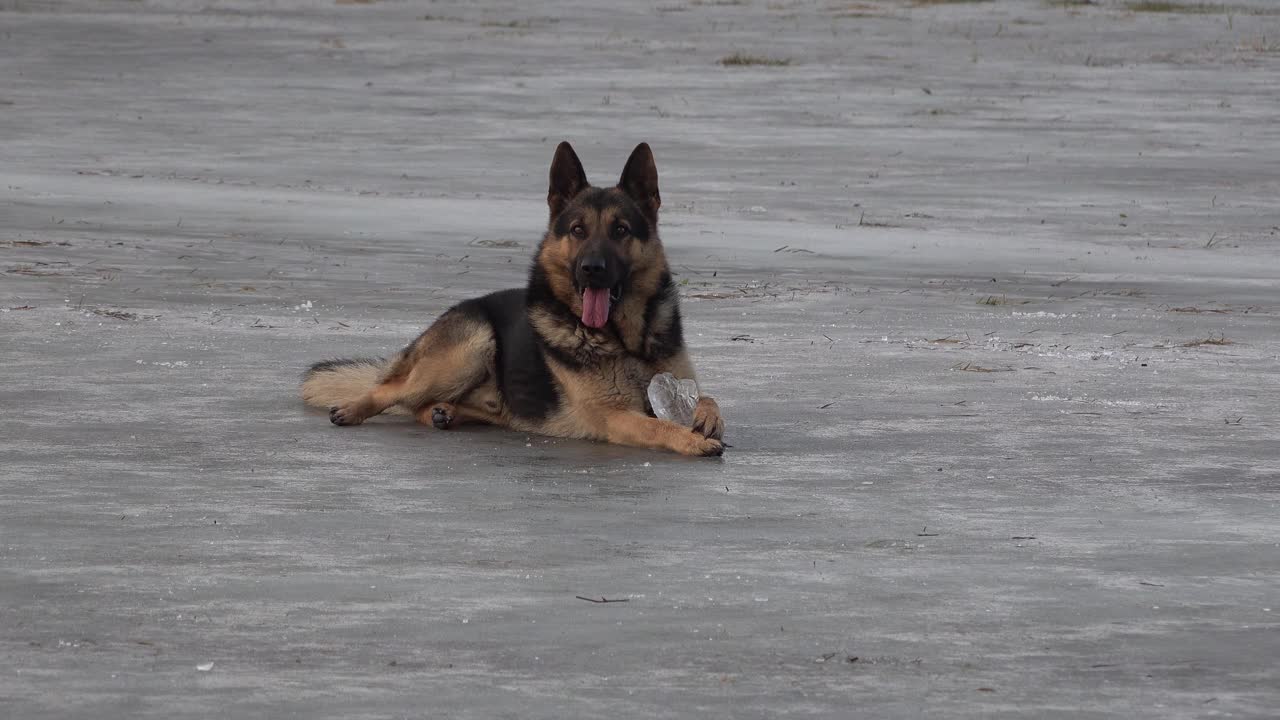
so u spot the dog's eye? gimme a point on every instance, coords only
(578, 231)
(620, 231)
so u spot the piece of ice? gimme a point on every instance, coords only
(673, 399)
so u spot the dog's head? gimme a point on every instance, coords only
(601, 243)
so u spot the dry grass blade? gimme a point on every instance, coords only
(970, 367)
(739, 59)
(1196, 8)
(1220, 340)
(33, 271)
(117, 314)
(1197, 311)
(1001, 300)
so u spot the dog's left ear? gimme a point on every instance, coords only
(640, 180)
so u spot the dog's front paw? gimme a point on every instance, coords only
(707, 420)
(699, 446)
(343, 415)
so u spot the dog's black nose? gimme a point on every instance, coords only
(593, 267)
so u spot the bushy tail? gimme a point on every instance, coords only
(337, 382)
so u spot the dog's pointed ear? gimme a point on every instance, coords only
(640, 180)
(567, 179)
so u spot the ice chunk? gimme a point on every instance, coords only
(673, 399)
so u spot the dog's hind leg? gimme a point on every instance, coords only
(382, 396)
(444, 415)
(481, 405)
(444, 364)
(441, 416)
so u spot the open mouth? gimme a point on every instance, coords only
(596, 304)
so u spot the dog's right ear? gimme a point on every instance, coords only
(567, 179)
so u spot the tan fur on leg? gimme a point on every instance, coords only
(638, 430)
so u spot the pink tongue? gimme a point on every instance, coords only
(595, 307)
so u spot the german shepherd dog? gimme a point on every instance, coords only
(569, 355)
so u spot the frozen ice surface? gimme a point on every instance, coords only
(229, 190)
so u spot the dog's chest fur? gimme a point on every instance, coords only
(614, 376)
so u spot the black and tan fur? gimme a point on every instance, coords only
(526, 359)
